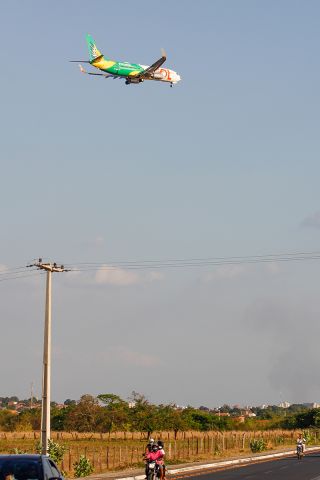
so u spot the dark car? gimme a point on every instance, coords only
(28, 467)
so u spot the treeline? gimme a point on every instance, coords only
(109, 412)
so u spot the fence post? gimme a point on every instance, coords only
(100, 463)
(107, 458)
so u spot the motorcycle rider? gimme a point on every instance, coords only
(161, 448)
(157, 455)
(148, 450)
(301, 441)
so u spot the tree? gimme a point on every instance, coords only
(143, 415)
(8, 420)
(171, 418)
(83, 417)
(59, 417)
(114, 415)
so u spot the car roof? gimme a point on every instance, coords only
(23, 456)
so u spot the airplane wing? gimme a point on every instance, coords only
(105, 75)
(148, 72)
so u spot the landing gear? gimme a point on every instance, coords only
(128, 82)
(171, 84)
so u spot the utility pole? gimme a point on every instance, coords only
(31, 395)
(46, 369)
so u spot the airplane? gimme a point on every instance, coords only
(131, 72)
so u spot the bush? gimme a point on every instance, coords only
(56, 451)
(17, 451)
(258, 445)
(83, 467)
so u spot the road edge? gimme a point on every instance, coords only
(224, 463)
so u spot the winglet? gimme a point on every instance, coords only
(163, 53)
(82, 69)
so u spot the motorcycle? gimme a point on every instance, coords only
(299, 451)
(153, 470)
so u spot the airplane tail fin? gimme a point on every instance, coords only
(94, 53)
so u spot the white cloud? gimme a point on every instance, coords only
(116, 276)
(3, 268)
(108, 275)
(127, 357)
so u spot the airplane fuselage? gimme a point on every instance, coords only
(132, 70)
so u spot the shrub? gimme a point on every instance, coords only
(18, 451)
(83, 467)
(56, 451)
(258, 445)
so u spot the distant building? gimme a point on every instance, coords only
(284, 405)
(248, 413)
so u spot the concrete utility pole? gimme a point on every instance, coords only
(46, 371)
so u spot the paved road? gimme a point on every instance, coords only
(285, 469)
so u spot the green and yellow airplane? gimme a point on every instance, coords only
(131, 72)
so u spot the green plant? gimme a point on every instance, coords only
(307, 435)
(258, 445)
(17, 451)
(83, 467)
(56, 451)
(38, 447)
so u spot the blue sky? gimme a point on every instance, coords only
(226, 163)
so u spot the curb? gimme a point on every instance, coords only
(225, 463)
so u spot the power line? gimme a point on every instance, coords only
(242, 257)
(12, 271)
(26, 275)
(195, 262)
(15, 273)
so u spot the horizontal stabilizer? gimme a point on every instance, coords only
(105, 75)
